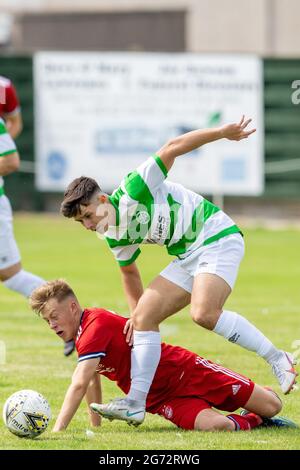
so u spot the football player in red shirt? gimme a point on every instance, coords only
(185, 387)
(10, 109)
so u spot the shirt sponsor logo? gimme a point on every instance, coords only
(161, 230)
(101, 369)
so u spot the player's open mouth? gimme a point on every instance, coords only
(60, 333)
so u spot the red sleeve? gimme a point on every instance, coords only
(12, 103)
(94, 339)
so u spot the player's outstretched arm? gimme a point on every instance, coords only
(132, 284)
(75, 393)
(9, 163)
(94, 395)
(192, 140)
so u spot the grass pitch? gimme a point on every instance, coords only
(267, 293)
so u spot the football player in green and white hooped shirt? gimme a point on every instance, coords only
(12, 275)
(208, 246)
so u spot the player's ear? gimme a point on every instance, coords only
(102, 198)
(73, 306)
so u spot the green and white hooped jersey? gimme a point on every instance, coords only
(7, 146)
(152, 210)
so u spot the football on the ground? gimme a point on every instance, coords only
(26, 413)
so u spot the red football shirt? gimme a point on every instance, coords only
(101, 335)
(9, 102)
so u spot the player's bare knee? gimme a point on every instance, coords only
(7, 273)
(205, 316)
(10, 271)
(277, 407)
(273, 406)
(142, 322)
(137, 320)
(3, 275)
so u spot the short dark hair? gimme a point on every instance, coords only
(79, 192)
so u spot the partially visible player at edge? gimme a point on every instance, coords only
(209, 247)
(10, 109)
(185, 387)
(12, 274)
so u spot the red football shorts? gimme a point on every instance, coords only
(206, 385)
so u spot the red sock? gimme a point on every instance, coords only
(245, 423)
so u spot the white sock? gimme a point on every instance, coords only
(145, 356)
(24, 282)
(238, 330)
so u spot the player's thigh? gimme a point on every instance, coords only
(183, 410)
(215, 271)
(263, 402)
(211, 420)
(194, 413)
(209, 294)
(160, 299)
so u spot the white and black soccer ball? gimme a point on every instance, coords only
(26, 413)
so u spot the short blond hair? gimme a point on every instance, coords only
(58, 289)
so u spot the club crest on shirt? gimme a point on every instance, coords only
(168, 411)
(143, 217)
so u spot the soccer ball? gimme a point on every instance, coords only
(26, 413)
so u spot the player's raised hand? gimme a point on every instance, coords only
(237, 131)
(128, 331)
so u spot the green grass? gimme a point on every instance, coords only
(267, 293)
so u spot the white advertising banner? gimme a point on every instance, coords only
(102, 114)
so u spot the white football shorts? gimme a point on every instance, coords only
(222, 258)
(9, 252)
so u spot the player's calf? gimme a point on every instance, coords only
(211, 420)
